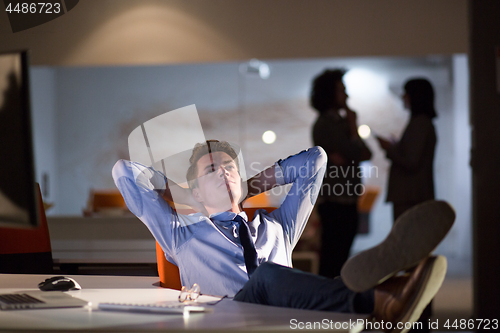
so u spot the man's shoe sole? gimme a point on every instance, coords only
(433, 279)
(415, 234)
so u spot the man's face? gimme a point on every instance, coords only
(340, 95)
(219, 182)
(406, 100)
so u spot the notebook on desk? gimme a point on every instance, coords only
(39, 300)
(167, 307)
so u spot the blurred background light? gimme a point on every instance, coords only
(364, 131)
(257, 68)
(269, 137)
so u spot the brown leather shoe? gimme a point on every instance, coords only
(400, 300)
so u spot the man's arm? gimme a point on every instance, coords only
(262, 182)
(341, 148)
(364, 153)
(408, 152)
(180, 195)
(138, 184)
(305, 171)
(140, 187)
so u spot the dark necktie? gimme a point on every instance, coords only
(249, 252)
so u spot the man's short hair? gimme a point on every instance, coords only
(323, 89)
(200, 150)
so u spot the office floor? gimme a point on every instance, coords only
(454, 301)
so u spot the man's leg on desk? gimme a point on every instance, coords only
(273, 284)
(394, 299)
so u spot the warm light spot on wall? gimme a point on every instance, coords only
(269, 137)
(152, 33)
(364, 131)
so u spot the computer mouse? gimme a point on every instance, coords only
(59, 283)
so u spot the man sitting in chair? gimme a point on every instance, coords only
(223, 252)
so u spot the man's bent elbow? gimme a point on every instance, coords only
(119, 169)
(321, 155)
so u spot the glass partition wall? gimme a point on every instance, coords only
(83, 116)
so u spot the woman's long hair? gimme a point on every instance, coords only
(421, 96)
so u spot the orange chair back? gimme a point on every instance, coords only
(106, 199)
(169, 273)
(366, 201)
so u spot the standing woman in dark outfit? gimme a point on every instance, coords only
(336, 131)
(411, 179)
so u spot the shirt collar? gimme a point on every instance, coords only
(227, 216)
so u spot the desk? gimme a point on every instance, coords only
(79, 241)
(227, 315)
(101, 240)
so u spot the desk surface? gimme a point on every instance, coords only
(227, 315)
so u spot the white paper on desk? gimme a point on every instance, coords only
(168, 307)
(137, 295)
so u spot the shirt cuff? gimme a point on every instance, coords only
(278, 174)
